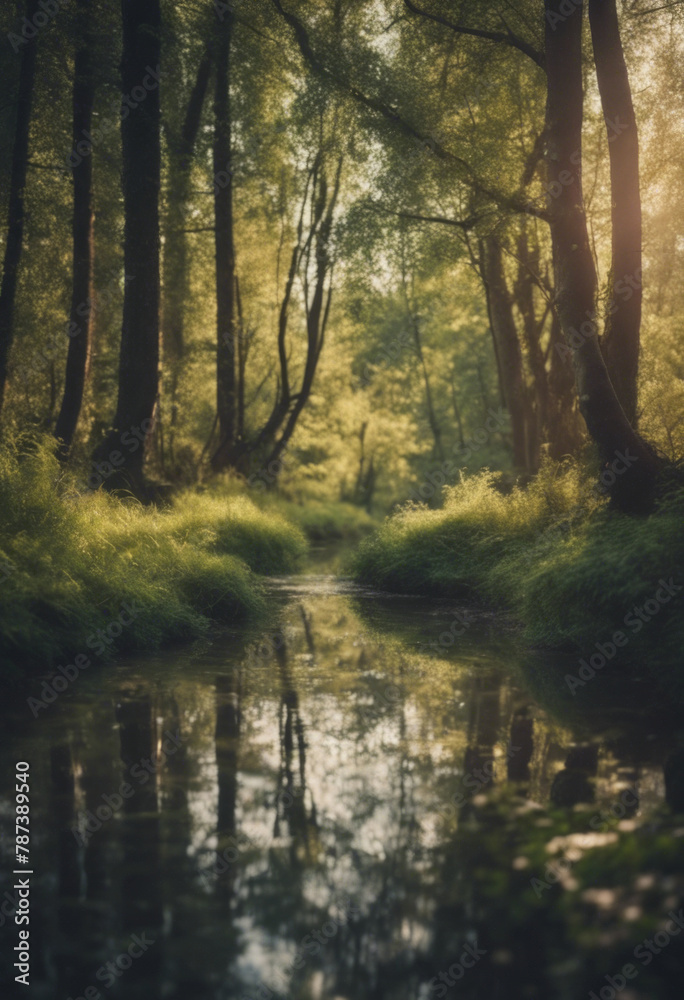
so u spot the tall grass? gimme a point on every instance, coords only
(69, 561)
(552, 553)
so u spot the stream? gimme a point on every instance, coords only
(360, 799)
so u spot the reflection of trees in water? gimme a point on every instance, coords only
(141, 884)
(292, 808)
(521, 745)
(227, 738)
(183, 903)
(574, 783)
(73, 966)
(419, 902)
(673, 772)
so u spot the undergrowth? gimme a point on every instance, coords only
(552, 553)
(73, 563)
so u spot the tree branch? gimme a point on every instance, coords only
(507, 37)
(514, 202)
(465, 224)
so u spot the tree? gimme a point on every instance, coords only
(630, 463)
(181, 148)
(226, 402)
(124, 446)
(620, 341)
(16, 208)
(507, 350)
(79, 329)
(414, 323)
(312, 260)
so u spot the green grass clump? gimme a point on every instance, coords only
(234, 525)
(570, 569)
(70, 562)
(328, 519)
(461, 546)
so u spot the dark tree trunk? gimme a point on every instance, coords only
(565, 423)
(620, 343)
(15, 211)
(79, 330)
(175, 248)
(632, 480)
(226, 403)
(139, 358)
(532, 328)
(317, 309)
(507, 349)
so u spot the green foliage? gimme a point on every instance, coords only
(571, 570)
(321, 520)
(236, 526)
(71, 560)
(465, 544)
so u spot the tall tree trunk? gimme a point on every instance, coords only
(15, 211)
(79, 330)
(565, 422)
(418, 343)
(175, 246)
(632, 479)
(226, 403)
(532, 328)
(507, 348)
(318, 308)
(139, 357)
(620, 343)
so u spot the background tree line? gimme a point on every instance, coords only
(341, 232)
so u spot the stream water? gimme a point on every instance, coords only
(361, 800)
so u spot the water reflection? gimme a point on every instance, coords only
(342, 809)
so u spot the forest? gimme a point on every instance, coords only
(354, 308)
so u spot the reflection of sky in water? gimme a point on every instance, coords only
(366, 736)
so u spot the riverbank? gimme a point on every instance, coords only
(579, 576)
(88, 574)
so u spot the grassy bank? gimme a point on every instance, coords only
(87, 572)
(328, 520)
(572, 571)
